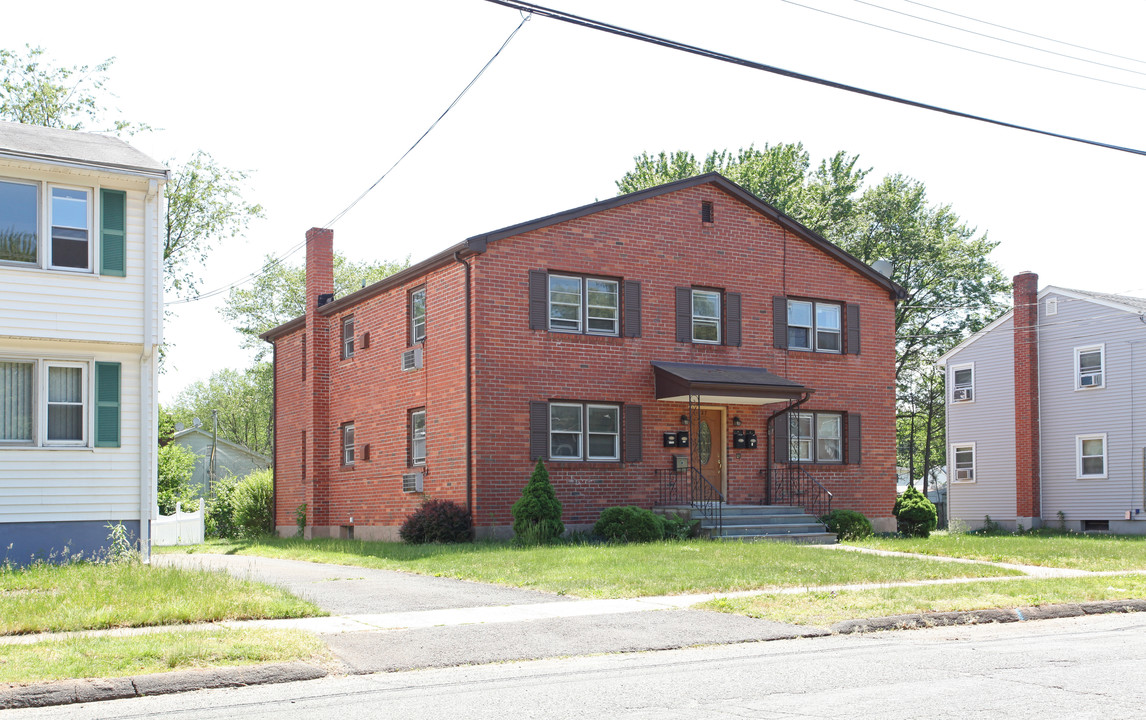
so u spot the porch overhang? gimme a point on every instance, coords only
(723, 384)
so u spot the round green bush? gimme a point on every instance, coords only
(437, 521)
(537, 513)
(629, 524)
(253, 503)
(915, 514)
(847, 524)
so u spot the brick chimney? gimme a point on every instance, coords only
(1026, 320)
(320, 435)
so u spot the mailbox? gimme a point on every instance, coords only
(682, 438)
(669, 439)
(749, 439)
(738, 439)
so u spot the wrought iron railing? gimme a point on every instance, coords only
(688, 486)
(790, 484)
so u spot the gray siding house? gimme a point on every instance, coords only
(1046, 413)
(230, 458)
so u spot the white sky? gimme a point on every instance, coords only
(317, 100)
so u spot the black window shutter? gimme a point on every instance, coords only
(538, 300)
(732, 319)
(632, 433)
(853, 329)
(780, 322)
(632, 308)
(855, 445)
(780, 431)
(538, 430)
(683, 314)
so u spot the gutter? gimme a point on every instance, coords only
(135, 170)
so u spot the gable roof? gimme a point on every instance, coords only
(182, 434)
(477, 244)
(68, 147)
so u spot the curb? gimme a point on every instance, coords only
(978, 617)
(65, 692)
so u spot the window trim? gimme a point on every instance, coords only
(347, 454)
(719, 318)
(814, 439)
(1078, 440)
(48, 236)
(413, 319)
(955, 448)
(955, 387)
(39, 188)
(85, 404)
(814, 329)
(413, 437)
(583, 451)
(347, 338)
(616, 434)
(583, 304)
(1078, 374)
(40, 365)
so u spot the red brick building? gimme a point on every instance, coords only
(686, 343)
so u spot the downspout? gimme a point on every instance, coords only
(469, 393)
(275, 439)
(148, 372)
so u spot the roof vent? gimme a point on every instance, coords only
(325, 298)
(706, 212)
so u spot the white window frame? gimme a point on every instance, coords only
(955, 448)
(417, 437)
(615, 434)
(85, 403)
(34, 421)
(814, 329)
(807, 447)
(616, 308)
(956, 387)
(580, 433)
(580, 303)
(417, 323)
(1078, 374)
(583, 305)
(347, 337)
(40, 366)
(1078, 441)
(47, 237)
(346, 437)
(39, 224)
(707, 319)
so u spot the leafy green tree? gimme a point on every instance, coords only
(173, 485)
(244, 400)
(279, 294)
(254, 504)
(537, 513)
(915, 514)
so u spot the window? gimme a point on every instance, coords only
(348, 337)
(706, 316)
(347, 432)
(65, 404)
(19, 227)
(71, 223)
(48, 403)
(814, 326)
(963, 457)
(418, 437)
(1091, 451)
(816, 437)
(595, 311)
(418, 315)
(962, 383)
(1089, 363)
(16, 397)
(575, 427)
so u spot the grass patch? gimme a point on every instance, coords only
(615, 571)
(820, 608)
(103, 657)
(1044, 547)
(86, 596)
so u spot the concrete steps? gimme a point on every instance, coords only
(762, 522)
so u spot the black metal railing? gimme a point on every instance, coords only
(688, 486)
(790, 484)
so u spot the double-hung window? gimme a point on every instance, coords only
(17, 397)
(962, 383)
(706, 316)
(815, 326)
(19, 222)
(1091, 452)
(67, 241)
(347, 434)
(418, 437)
(584, 431)
(348, 337)
(1089, 365)
(963, 457)
(584, 305)
(53, 402)
(417, 315)
(816, 437)
(65, 403)
(71, 228)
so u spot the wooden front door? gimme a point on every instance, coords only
(708, 455)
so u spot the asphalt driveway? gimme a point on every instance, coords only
(345, 590)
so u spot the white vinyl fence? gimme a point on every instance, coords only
(182, 528)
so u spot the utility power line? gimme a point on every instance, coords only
(734, 60)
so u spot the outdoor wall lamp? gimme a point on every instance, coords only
(736, 421)
(684, 419)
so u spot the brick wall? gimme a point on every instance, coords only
(1027, 491)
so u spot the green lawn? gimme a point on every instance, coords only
(614, 571)
(85, 596)
(1081, 552)
(825, 608)
(89, 657)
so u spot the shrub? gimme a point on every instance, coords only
(437, 521)
(220, 522)
(173, 484)
(300, 519)
(537, 513)
(254, 503)
(915, 513)
(678, 527)
(847, 524)
(629, 524)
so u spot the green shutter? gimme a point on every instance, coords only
(113, 233)
(107, 381)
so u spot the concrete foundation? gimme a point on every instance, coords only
(56, 542)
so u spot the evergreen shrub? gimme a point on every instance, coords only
(537, 513)
(437, 521)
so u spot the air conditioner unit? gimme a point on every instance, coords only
(1090, 380)
(965, 474)
(412, 359)
(961, 394)
(412, 482)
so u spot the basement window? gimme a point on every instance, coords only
(706, 215)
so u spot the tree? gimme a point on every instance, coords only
(244, 400)
(173, 485)
(537, 513)
(279, 294)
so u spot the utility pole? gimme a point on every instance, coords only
(214, 449)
